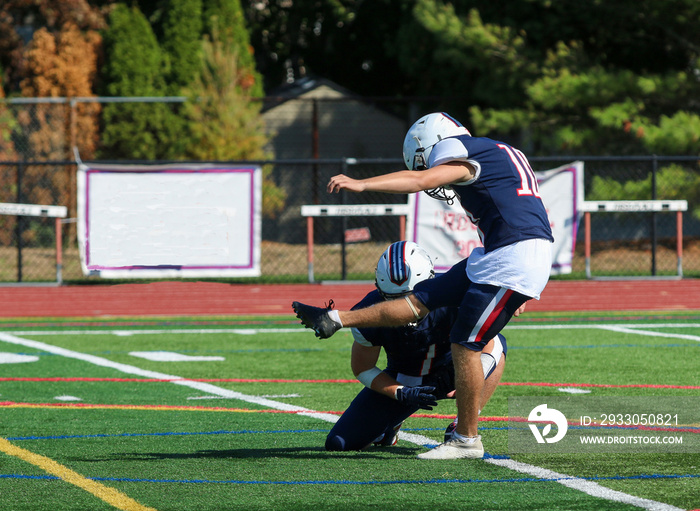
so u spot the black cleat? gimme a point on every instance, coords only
(389, 438)
(450, 431)
(317, 319)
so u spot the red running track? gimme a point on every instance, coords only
(179, 298)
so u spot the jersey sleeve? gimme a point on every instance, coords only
(452, 149)
(359, 338)
(447, 150)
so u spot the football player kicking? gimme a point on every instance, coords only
(419, 368)
(497, 188)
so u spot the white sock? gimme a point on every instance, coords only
(333, 314)
(462, 438)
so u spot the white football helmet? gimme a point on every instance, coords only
(401, 267)
(420, 139)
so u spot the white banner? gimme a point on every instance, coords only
(148, 221)
(449, 236)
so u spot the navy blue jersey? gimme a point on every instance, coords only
(504, 200)
(414, 350)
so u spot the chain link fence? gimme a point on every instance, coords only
(313, 139)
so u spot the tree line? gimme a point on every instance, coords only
(555, 77)
(560, 77)
(82, 49)
(79, 48)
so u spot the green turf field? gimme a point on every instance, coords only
(88, 423)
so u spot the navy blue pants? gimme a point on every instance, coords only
(483, 309)
(370, 414)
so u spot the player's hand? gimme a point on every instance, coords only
(343, 182)
(520, 310)
(422, 397)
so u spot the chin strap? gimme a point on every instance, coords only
(413, 308)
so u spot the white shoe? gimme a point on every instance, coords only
(470, 447)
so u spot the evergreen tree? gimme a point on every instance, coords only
(225, 21)
(8, 193)
(224, 121)
(182, 41)
(554, 77)
(289, 36)
(566, 78)
(134, 67)
(133, 59)
(8, 125)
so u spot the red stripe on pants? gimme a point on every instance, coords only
(493, 315)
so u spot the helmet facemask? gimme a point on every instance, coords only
(420, 162)
(443, 193)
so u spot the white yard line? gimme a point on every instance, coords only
(574, 326)
(129, 369)
(632, 327)
(125, 333)
(627, 330)
(583, 485)
(590, 487)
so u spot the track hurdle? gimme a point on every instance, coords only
(56, 212)
(311, 211)
(636, 206)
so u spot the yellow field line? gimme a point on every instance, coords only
(105, 493)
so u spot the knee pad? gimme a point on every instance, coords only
(488, 364)
(489, 361)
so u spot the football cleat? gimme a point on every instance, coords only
(456, 448)
(450, 430)
(388, 438)
(317, 319)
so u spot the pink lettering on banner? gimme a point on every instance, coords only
(465, 247)
(357, 235)
(452, 221)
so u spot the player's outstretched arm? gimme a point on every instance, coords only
(405, 181)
